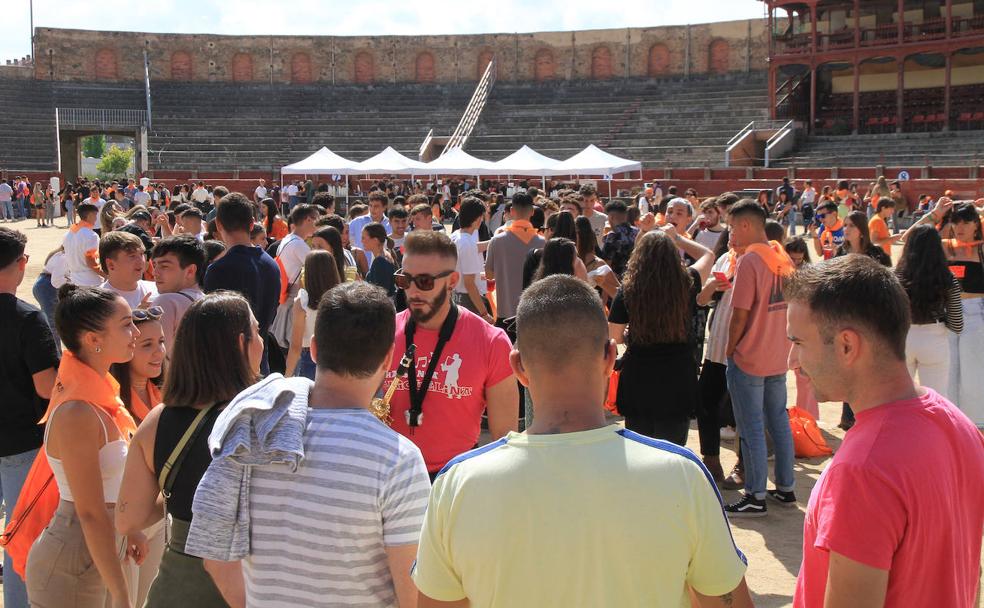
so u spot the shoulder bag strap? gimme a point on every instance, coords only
(173, 463)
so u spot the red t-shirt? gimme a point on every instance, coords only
(905, 493)
(475, 358)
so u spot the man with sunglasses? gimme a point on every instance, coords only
(830, 234)
(461, 367)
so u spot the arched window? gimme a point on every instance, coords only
(242, 67)
(659, 60)
(424, 67)
(106, 64)
(364, 68)
(300, 68)
(544, 66)
(181, 66)
(484, 58)
(719, 57)
(601, 63)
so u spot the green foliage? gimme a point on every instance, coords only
(116, 162)
(94, 146)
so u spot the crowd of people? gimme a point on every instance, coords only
(264, 399)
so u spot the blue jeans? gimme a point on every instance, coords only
(305, 365)
(759, 403)
(7, 210)
(47, 296)
(13, 472)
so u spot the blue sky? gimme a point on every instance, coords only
(358, 17)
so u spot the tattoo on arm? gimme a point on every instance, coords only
(121, 507)
(727, 600)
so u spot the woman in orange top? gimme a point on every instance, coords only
(139, 392)
(276, 227)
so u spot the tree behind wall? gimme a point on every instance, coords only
(94, 146)
(115, 162)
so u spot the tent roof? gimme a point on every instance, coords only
(527, 161)
(595, 161)
(323, 162)
(459, 162)
(391, 161)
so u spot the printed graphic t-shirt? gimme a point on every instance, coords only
(764, 348)
(474, 359)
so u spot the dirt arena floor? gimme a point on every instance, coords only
(772, 544)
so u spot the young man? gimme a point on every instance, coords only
(708, 227)
(199, 195)
(399, 219)
(756, 354)
(28, 365)
(6, 202)
(191, 223)
(378, 201)
(618, 244)
(326, 202)
(506, 254)
(830, 234)
(878, 225)
(644, 201)
(598, 220)
(510, 523)
(422, 216)
(140, 197)
(462, 362)
(896, 518)
(243, 267)
(471, 290)
(340, 525)
(123, 259)
(572, 204)
(81, 245)
(179, 264)
(95, 199)
(260, 193)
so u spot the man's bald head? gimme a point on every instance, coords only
(560, 323)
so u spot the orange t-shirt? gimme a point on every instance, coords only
(879, 230)
(280, 229)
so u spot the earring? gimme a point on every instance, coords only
(99, 350)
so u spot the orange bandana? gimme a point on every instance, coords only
(774, 256)
(523, 230)
(80, 225)
(956, 245)
(141, 409)
(77, 381)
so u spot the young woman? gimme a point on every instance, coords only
(965, 253)
(276, 227)
(383, 265)
(86, 440)
(559, 257)
(934, 298)
(68, 202)
(558, 225)
(330, 239)
(657, 303)
(217, 353)
(599, 274)
(37, 203)
(107, 215)
(320, 275)
(857, 239)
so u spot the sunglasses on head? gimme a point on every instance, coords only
(147, 314)
(424, 282)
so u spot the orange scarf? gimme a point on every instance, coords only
(80, 225)
(956, 245)
(523, 230)
(775, 257)
(77, 381)
(141, 409)
(827, 236)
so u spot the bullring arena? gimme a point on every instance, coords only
(817, 90)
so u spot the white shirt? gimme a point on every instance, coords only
(136, 296)
(809, 195)
(77, 244)
(57, 267)
(643, 205)
(140, 198)
(708, 238)
(291, 253)
(470, 260)
(260, 192)
(6, 192)
(200, 195)
(291, 190)
(100, 203)
(355, 230)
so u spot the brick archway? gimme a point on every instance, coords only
(484, 59)
(181, 66)
(365, 71)
(544, 65)
(300, 68)
(242, 67)
(719, 57)
(659, 60)
(424, 70)
(601, 63)
(106, 67)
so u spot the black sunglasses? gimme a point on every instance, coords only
(147, 314)
(424, 282)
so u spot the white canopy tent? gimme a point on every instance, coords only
(391, 161)
(595, 161)
(322, 162)
(459, 162)
(527, 161)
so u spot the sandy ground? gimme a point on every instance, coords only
(772, 544)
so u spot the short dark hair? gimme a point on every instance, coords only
(375, 230)
(726, 199)
(114, 242)
(12, 246)
(302, 212)
(430, 242)
(885, 202)
(750, 208)
(207, 365)
(417, 199)
(830, 206)
(854, 290)
(213, 249)
(774, 231)
(572, 200)
(378, 195)
(335, 221)
(193, 212)
(522, 201)
(471, 209)
(616, 207)
(219, 192)
(324, 200)
(81, 309)
(560, 319)
(181, 208)
(422, 208)
(188, 249)
(87, 209)
(398, 212)
(354, 329)
(234, 212)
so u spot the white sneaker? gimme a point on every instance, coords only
(727, 433)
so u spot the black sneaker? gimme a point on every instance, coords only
(787, 499)
(748, 506)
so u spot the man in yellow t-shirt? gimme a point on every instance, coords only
(574, 512)
(878, 226)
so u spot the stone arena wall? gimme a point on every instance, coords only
(713, 48)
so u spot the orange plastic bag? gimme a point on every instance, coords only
(610, 404)
(808, 442)
(36, 505)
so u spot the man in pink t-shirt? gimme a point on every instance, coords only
(756, 373)
(897, 516)
(471, 372)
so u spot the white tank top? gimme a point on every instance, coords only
(112, 460)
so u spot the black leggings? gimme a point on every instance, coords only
(713, 385)
(669, 429)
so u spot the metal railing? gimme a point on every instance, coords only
(750, 128)
(782, 141)
(468, 120)
(100, 117)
